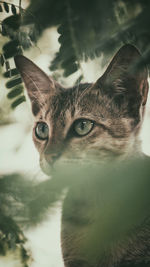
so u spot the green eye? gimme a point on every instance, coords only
(42, 130)
(83, 127)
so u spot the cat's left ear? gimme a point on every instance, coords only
(38, 84)
(123, 75)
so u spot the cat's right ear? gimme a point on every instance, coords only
(123, 75)
(39, 86)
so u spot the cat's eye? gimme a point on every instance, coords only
(42, 130)
(83, 127)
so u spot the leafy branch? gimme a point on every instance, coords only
(87, 29)
(68, 59)
(19, 41)
(8, 6)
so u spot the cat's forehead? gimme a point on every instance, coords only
(80, 101)
(65, 101)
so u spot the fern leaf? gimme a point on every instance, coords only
(56, 62)
(13, 9)
(2, 59)
(11, 49)
(18, 101)
(6, 7)
(13, 73)
(3, 30)
(11, 26)
(15, 92)
(13, 82)
(70, 69)
(1, 9)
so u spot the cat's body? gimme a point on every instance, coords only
(106, 218)
(99, 121)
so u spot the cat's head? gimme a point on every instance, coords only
(100, 119)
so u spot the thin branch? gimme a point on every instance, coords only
(20, 8)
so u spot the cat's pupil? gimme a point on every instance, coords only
(83, 125)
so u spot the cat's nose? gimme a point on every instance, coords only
(52, 157)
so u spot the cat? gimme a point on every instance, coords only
(102, 118)
(98, 121)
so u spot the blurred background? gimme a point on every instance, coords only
(73, 41)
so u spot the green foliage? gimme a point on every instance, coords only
(6, 7)
(18, 101)
(10, 27)
(105, 201)
(87, 29)
(13, 82)
(13, 9)
(92, 28)
(11, 235)
(13, 73)
(19, 40)
(2, 60)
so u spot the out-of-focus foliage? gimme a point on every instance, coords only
(87, 29)
(20, 40)
(10, 28)
(90, 28)
(106, 201)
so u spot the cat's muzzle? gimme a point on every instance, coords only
(46, 166)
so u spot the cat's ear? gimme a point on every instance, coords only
(123, 74)
(38, 84)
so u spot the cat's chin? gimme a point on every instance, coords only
(45, 167)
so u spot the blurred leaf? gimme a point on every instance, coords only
(93, 28)
(13, 73)
(11, 49)
(56, 62)
(1, 10)
(18, 102)
(10, 45)
(70, 69)
(11, 25)
(2, 59)
(15, 92)
(4, 32)
(25, 255)
(13, 9)
(79, 80)
(13, 82)
(25, 40)
(6, 7)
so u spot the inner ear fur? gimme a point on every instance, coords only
(38, 84)
(123, 76)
